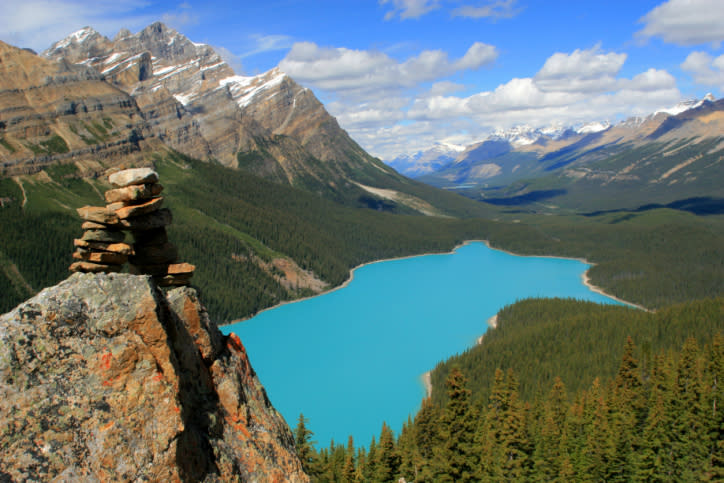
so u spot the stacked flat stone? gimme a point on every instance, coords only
(133, 205)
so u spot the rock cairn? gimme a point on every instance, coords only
(133, 205)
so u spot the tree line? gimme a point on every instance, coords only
(661, 421)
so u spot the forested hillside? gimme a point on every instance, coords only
(656, 419)
(232, 225)
(541, 339)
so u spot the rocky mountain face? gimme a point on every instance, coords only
(60, 112)
(193, 102)
(105, 378)
(525, 152)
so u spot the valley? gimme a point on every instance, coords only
(273, 201)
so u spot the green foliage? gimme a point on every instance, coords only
(674, 435)
(577, 341)
(54, 145)
(223, 216)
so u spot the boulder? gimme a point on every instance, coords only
(90, 267)
(92, 225)
(143, 208)
(110, 236)
(121, 248)
(102, 378)
(100, 257)
(134, 176)
(133, 193)
(98, 214)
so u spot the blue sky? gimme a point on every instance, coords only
(400, 75)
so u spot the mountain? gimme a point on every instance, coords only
(54, 112)
(670, 155)
(194, 103)
(426, 161)
(103, 377)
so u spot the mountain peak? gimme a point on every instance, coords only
(78, 39)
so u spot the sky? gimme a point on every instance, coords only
(401, 75)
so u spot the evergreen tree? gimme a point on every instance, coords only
(627, 413)
(715, 383)
(426, 437)
(348, 472)
(407, 451)
(305, 447)
(549, 444)
(387, 458)
(689, 446)
(455, 459)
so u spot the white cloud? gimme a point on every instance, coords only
(686, 22)
(409, 8)
(357, 73)
(445, 87)
(569, 89)
(705, 69)
(495, 9)
(580, 71)
(478, 55)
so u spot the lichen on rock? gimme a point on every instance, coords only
(105, 378)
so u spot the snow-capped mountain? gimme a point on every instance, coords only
(195, 103)
(427, 160)
(528, 151)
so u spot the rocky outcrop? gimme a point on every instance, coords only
(54, 112)
(103, 378)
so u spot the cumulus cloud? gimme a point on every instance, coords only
(580, 71)
(495, 9)
(570, 88)
(705, 69)
(349, 72)
(409, 8)
(685, 22)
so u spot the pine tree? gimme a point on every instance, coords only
(305, 447)
(455, 459)
(549, 446)
(653, 461)
(387, 458)
(426, 437)
(406, 451)
(715, 384)
(689, 446)
(348, 472)
(627, 413)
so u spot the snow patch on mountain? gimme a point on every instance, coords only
(244, 89)
(593, 127)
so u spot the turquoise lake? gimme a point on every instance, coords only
(354, 357)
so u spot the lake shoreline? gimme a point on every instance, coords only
(584, 277)
(427, 376)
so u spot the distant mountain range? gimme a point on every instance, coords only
(671, 155)
(442, 160)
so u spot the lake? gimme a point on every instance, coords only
(353, 357)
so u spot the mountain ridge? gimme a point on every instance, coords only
(196, 104)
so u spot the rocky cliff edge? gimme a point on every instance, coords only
(105, 378)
